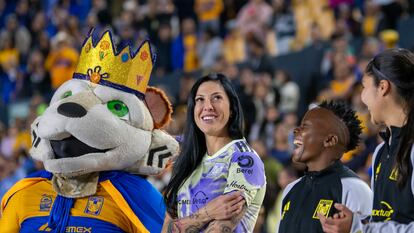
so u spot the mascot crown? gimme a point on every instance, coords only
(127, 71)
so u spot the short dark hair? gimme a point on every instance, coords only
(345, 113)
(193, 146)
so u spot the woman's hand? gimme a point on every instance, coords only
(224, 207)
(341, 222)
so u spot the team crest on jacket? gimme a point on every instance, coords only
(45, 203)
(94, 205)
(323, 208)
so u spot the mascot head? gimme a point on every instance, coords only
(106, 117)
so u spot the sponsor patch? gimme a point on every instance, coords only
(245, 161)
(323, 208)
(386, 212)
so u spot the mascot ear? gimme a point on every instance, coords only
(159, 106)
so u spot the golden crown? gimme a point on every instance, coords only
(99, 63)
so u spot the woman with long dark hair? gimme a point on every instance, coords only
(218, 181)
(389, 95)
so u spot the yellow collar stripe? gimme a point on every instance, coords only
(123, 205)
(17, 187)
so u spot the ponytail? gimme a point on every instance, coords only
(406, 142)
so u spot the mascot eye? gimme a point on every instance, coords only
(66, 94)
(118, 108)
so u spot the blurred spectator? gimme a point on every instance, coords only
(389, 38)
(157, 12)
(19, 34)
(350, 18)
(11, 76)
(253, 17)
(208, 14)
(265, 130)
(209, 48)
(263, 97)
(340, 45)
(371, 20)
(283, 22)
(370, 47)
(185, 47)
(343, 80)
(8, 51)
(392, 10)
(289, 91)
(62, 59)
(280, 149)
(36, 75)
(7, 142)
(163, 45)
(234, 45)
(257, 57)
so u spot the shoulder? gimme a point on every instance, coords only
(245, 157)
(355, 185)
(122, 179)
(289, 188)
(357, 195)
(25, 186)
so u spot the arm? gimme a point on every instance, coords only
(226, 225)
(349, 222)
(357, 196)
(192, 223)
(9, 218)
(220, 208)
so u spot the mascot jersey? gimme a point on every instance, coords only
(234, 167)
(122, 203)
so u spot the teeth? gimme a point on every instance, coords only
(297, 142)
(208, 117)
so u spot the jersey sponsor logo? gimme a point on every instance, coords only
(45, 202)
(69, 229)
(200, 198)
(285, 209)
(94, 205)
(244, 171)
(235, 184)
(74, 229)
(323, 208)
(245, 161)
(385, 212)
(394, 174)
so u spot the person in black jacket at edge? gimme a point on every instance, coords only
(325, 134)
(389, 95)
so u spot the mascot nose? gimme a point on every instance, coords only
(72, 110)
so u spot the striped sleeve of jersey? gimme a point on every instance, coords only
(246, 172)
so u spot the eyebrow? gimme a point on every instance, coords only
(214, 93)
